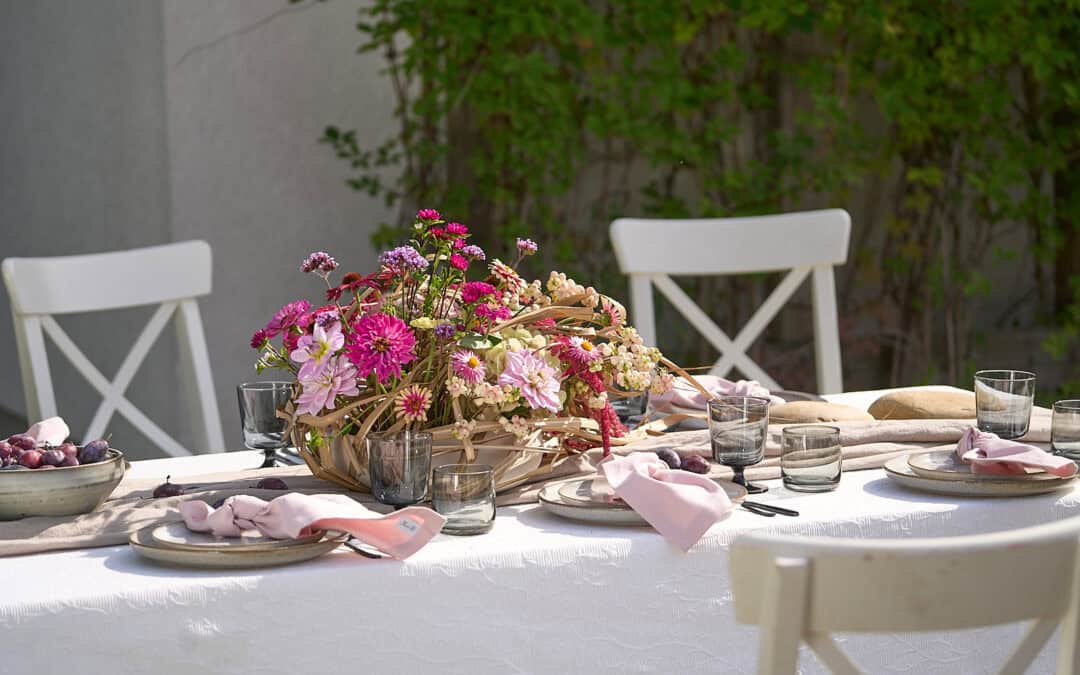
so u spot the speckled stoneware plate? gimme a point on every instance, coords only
(944, 464)
(63, 491)
(176, 535)
(143, 543)
(898, 469)
(591, 501)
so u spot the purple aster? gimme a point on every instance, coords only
(526, 246)
(326, 319)
(403, 259)
(319, 261)
(473, 252)
(445, 331)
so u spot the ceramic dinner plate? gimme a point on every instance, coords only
(899, 470)
(176, 535)
(143, 543)
(946, 465)
(588, 502)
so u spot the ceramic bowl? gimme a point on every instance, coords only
(63, 491)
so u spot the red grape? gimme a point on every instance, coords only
(69, 449)
(69, 460)
(271, 484)
(31, 459)
(22, 441)
(52, 457)
(695, 464)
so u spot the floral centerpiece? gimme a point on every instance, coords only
(444, 339)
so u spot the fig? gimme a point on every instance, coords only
(6, 450)
(271, 484)
(168, 489)
(94, 451)
(695, 464)
(31, 459)
(69, 449)
(51, 457)
(22, 441)
(669, 457)
(70, 460)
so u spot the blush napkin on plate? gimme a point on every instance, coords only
(681, 505)
(987, 453)
(399, 534)
(685, 395)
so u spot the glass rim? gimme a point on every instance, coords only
(262, 385)
(408, 433)
(1068, 404)
(464, 469)
(729, 399)
(1025, 375)
(811, 430)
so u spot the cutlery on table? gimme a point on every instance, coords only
(773, 510)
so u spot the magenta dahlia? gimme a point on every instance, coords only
(380, 344)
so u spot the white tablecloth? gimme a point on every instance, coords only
(537, 595)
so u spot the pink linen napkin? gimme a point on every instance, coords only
(399, 534)
(686, 395)
(989, 454)
(679, 504)
(50, 431)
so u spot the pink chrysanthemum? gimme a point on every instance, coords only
(381, 344)
(321, 391)
(537, 381)
(412, 404)
(286, 317)
(459, 262)
(468, 366)
(259, 339)
(581, 350)
(490, 310)
(428, 214)
(506, 275)
(474, 290)
(526, 246)
(456, 229)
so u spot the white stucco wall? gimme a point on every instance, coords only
(130, 123)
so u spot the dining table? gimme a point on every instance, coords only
(538, 594)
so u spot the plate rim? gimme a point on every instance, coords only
(944, 474)
(273, 544)
(952, 488)
(217, 559)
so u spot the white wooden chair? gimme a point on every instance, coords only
(806, 243)
(172, 275)
(799, 588)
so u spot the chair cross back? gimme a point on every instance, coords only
(799, 588)
(807, 244)
(171, 276)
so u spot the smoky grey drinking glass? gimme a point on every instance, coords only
(630, 409)
(1065, 429)
(465, 494)
(737, 429)
(1003, 400)
(399, 466)
(810, 457)
(262, 428)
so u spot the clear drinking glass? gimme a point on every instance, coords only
(1065, 429)
(399, 466)
(263, 429)
(630, 409)
(465, 494)
(810, 457)
(1003, 400)
(737, 429)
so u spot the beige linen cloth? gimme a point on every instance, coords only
(866, 445)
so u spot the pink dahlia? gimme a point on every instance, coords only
(474, 290)
(259, 339)
(321, 391)
(315, 351)
(381, 344)
(468, 366)
(412, 404)
(286, 317)
(537, 381)
(494, 312)
(459, 262)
